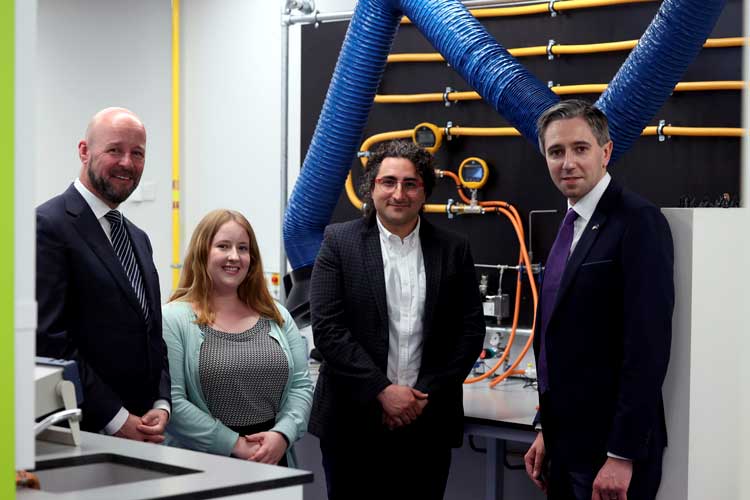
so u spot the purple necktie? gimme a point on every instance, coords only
(553, 271)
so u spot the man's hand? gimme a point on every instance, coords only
(272, 447)
(401, 405)
(613, 480)
(129, 430)
(153, 424)
(534, 460)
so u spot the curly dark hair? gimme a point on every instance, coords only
(422, 160)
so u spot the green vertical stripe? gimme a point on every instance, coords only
(7, 330)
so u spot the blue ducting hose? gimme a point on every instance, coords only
(339, 130)
(654, 67)
(485, 64)
(638, 90)
(466, 45)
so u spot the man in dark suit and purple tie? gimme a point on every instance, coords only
(604, 324)
(97, 289)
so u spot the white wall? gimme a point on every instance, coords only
(231, 52)
(231, 98)
(98, 53)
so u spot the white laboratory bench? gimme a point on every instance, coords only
(105, 467)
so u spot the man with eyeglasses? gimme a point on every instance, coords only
(397, 317)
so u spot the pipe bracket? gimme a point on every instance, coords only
(660, 130)
(448, 127)
(551, 43)
(551, 7)
(446, 101)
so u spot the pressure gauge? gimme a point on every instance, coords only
(427, 136)
(473, 173)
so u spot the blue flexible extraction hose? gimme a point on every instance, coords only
(467, 46)
(638, 90)
(655, 65)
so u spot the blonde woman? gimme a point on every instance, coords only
(240, 383)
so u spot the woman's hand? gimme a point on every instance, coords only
(272, 447)
(244, 449)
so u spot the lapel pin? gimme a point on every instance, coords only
(595, 227)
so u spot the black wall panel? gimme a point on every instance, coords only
(661, 171)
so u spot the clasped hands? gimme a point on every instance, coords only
(263, 447)
(401, 405)
(150, 427)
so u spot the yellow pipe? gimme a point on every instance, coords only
(559, 49)
(512, 132)
(385, 136)
(736, 41)
(696, 131)
(542, 8)
(485, 131)
(586, 88)
(352, 193)
(714, 85)
(176, 260)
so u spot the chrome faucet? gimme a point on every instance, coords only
(72, 415)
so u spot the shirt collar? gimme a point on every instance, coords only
(386, 235)
(585, 206)
(94, 202)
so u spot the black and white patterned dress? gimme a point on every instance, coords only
(243, 375)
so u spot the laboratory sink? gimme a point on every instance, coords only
(98, 470)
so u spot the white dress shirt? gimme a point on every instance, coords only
(405, 291)
(100, 209)
(585, 208)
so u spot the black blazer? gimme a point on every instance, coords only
(89, 312)
(609, 336)
(350, 328)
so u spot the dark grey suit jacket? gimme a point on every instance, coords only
(350, 327)
(89, 312)
(609, 336)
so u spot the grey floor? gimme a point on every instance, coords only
(466, 480)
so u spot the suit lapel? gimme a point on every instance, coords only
(432, 269)
(374, 272)
(92, 233)
(590, 234)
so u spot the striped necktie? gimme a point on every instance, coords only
(124, 251)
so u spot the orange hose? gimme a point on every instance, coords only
(535, 295)
(516, 312)
(509, 211)
(459, 188)
(512, 214)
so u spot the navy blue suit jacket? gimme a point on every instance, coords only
(609, 336)
(88, 311)
(350, 326)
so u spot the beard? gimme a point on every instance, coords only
(106, 190)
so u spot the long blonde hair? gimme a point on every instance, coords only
(195, 283)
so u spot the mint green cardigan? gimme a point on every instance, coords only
(191, 424)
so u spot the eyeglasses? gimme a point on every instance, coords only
(388, 184)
